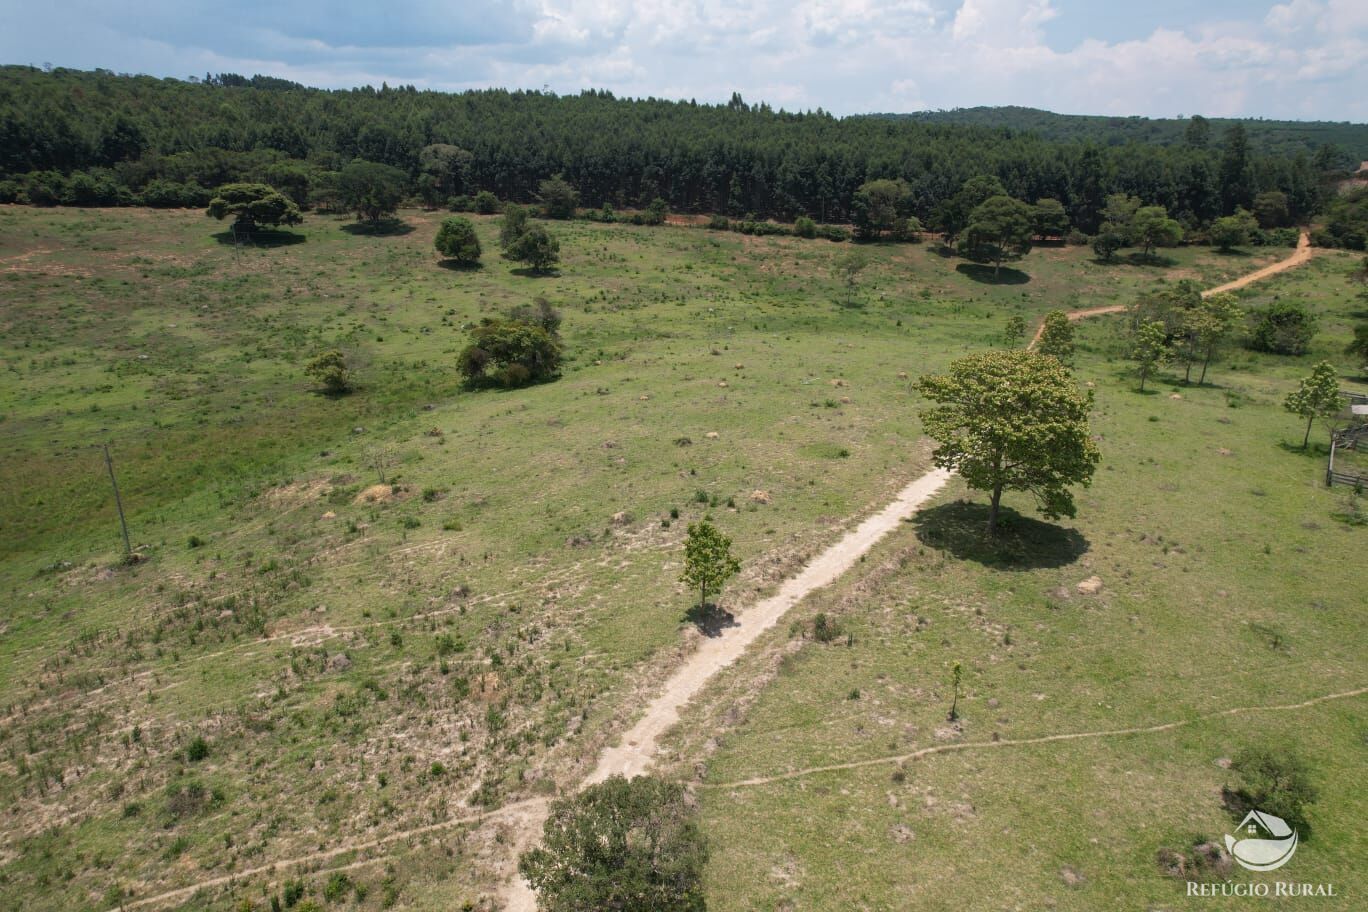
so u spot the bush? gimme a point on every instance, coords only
(656, 212)
(1283, 328)
(907, 230)
(833, 233)
(824, 629)
(457, 240)
(1323, 238)
(197, 750)
(510, 353)
(330, 369)
(164, 194)
(485, 203)
(629, 845)
(719, 223)
(460, 203)
(805, 227)
(1275, 782)
(1076, 238)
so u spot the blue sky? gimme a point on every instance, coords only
(1304, 59)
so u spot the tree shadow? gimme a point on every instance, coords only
(710, 619)
(459, 266)
(1021, 543)
(391, 227)
(1148, 259)
(528, 272)
(980, 273)
(1313, 450)
(260, 238)
(1234, 252)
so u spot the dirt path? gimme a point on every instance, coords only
(1299, 256)
(1044, 739)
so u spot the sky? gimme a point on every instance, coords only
(1302, 59)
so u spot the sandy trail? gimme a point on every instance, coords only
(636, 750)
(1299, 256)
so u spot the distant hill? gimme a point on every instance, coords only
(1275, 137)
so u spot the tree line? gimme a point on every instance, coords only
(97, 138)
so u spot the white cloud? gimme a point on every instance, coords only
(1299, 58)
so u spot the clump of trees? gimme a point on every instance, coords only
(883, 207)
(522, 349)
(456, 240)
(1126, 222)
(253, 205)
(1195, 328)
(1346, 223)
(558, 199)
(1012, 420)
(1231, 231)
(631, 845)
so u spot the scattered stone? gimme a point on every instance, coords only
(358, 430)
(1090, 586)
(1222, 451)
(225, 614)
(838, 382)
(338, 662)
(1176, 396)
(610, 444)
(712, 435)
(621, 518)
(104, 574)
(760, 497)
(643, 397)
(992, 702)
(902, 375)
(330, 515)
(740, 366)
(683, 441)
(1223, 762)
(1070, 876)
(722, 383)
(845, 400)
(902, 833)
(429, 407)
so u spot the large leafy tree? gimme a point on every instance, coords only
(999, 229)
(1151, 227)
(1057, 337)
(558, 199)
(952, 216)
(1049, 218)
(1317, 396)
(627, 845)
(372, 190)
(708, 560)
(536, 247)
(878, 205)
(253, 205)
(1231, 231)
(443, 172)
(1012, 420)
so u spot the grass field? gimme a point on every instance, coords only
(1226, 585)
(309, 661)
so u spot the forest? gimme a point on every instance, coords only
(96, 138)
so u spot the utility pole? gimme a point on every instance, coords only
(118, 502)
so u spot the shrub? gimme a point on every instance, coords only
(461, 203)
(457, 240)
(337, 887)
(719, 223)
(805, 227)
(330, 369)
(1274, 781)
(485, 203)
(1283, 328)
(656, 212)
(197, 750)
(824, 629)
(833, 233)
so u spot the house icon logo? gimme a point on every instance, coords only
(1266, 842)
